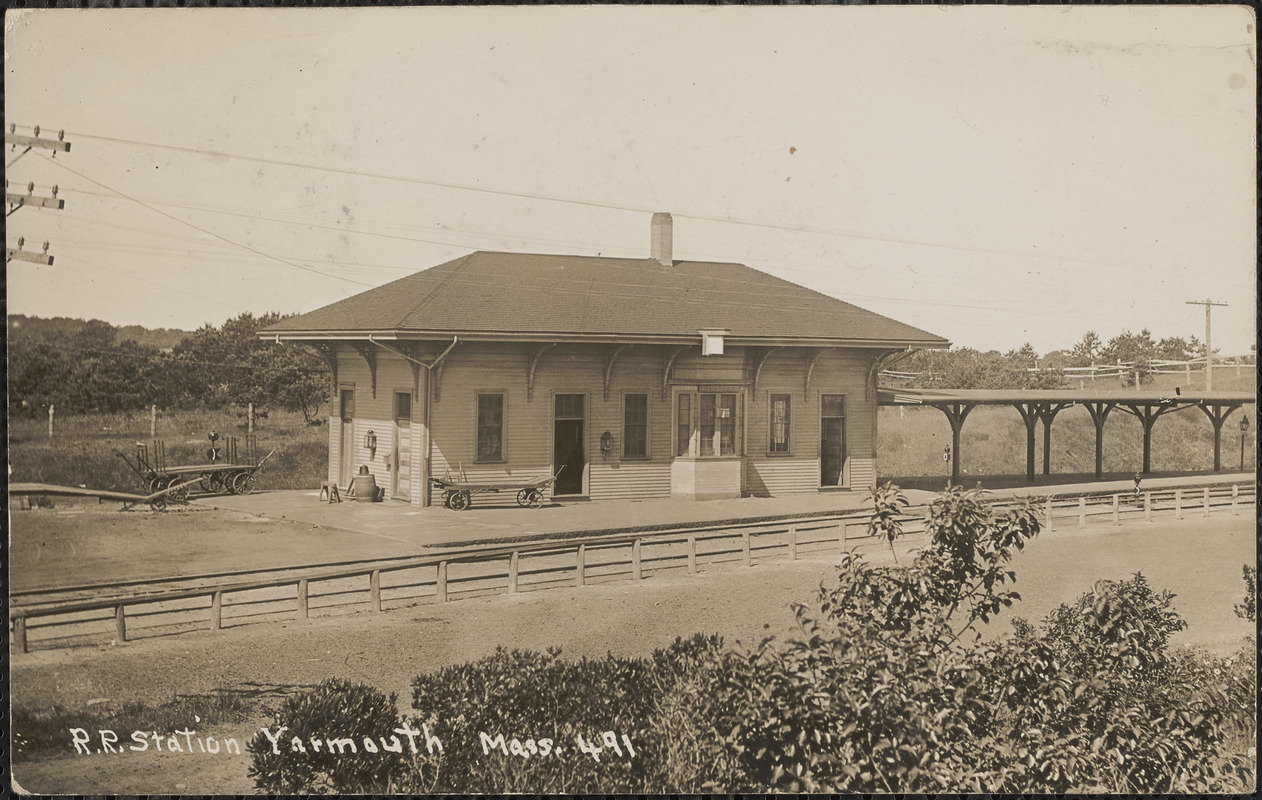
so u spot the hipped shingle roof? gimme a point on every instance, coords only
(515, 294)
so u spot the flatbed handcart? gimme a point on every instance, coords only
(458, 493)
(231, 471)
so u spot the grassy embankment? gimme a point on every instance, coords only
(81, 451)
(911, 440)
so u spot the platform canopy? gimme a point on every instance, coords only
(1036, 405)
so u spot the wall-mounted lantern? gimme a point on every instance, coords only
(370, 442)
(606, 442)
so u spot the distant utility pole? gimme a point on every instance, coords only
(1209, 350)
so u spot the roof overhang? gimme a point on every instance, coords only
(598, 338)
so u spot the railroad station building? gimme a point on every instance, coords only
(627, 378)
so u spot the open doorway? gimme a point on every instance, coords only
(568, 453)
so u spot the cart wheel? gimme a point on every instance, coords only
(179, 495)
(523, 498)
(446, 499)
(212, 483)
(536, 498)
(152, 483)
(243, 482)
(459, 501)
(160, 504)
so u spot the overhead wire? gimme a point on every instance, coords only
(614, 206)
(206, 231)
(718, 279)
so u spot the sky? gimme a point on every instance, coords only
(992, 175)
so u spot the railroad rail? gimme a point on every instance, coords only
(45, 618)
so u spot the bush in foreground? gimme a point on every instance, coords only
(885, 686)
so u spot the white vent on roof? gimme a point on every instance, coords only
(712, 341)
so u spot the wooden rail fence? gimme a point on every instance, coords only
(529, 566)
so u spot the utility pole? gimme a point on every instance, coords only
(18, 253)
(1209, 350)
(17, 201)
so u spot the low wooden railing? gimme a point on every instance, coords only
(535, 565)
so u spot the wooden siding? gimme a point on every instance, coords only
(375, 414)
(335, 443)
(784, 372)
(502, 368)
(767, 477)
(862, 473)
(528, 424)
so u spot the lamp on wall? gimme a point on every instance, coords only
(370, 442)
(606, 442)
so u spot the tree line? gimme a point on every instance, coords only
(91, 366)
(966, 368)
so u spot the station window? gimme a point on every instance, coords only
(403, 405)
(780, 404)
(635, 426)
(490, 427)
(683, 434)
(714, 426)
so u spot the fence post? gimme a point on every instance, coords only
(1178, 504)
(1205, 498)
(120, 623)
(793, 543)
(441, 587)
(249, 421)
(1117, 502)
(302, 599)
(153, 421)
(19, 633)
(745, 545)
(580, 575)
(1082, 512)
(1148, 506)
(512, 572)
(635, 560)
(1235, 498)
(841, 536)
(692, 555)
(216, 611)
(374, 589)
(50, 420)
(1048, 526)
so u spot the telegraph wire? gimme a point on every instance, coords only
(339, 229)
(201, 229)
(615, 206)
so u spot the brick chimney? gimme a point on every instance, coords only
(662, 239)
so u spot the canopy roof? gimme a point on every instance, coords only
(1120, 396)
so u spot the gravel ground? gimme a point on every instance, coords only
(1198, 559)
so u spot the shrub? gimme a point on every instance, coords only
(877, 693)
(539, 702)
(1093, 700)
(885, 687)
(335, 710)
(1249, 608)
